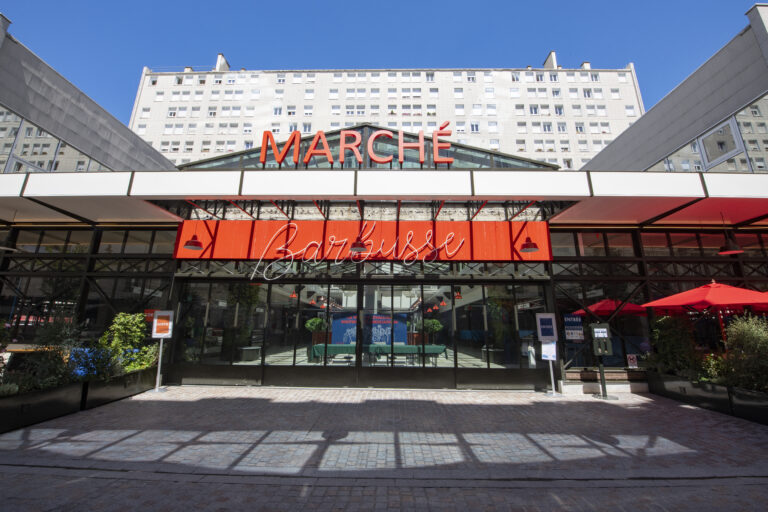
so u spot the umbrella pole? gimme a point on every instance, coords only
(722, 325)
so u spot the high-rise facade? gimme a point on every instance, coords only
(561, 116)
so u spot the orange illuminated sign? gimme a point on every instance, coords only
(330, 240)
(319, 146)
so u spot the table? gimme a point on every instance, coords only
(316, 351)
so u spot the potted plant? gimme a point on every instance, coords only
(318, 327)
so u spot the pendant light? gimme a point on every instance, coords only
(193, 244)
(458, 293)
(357, 246)
(529, 245)
(293, 294)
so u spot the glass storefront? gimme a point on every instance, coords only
(422, 324)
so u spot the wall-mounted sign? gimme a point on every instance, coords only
(406, 241)
(574, 329)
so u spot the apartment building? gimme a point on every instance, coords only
(561, 116)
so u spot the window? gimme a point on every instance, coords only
(595, 77)
(535, 127)
(306, 127)
(555, 93)
(247, 128)
(333, 94)
(145, 112)
(470, 76)
(584, 76)
(547, 127)
(539, 77)
(533, 110)
(310, 77)
(579, 127)
(391, 76)
(565, 145)
(215, 95)
(458, 92)
(587, 92)
(375, 110)
(276, 111)
(430, 76)
(568, 163)
(474, 127)
(558, 110)
(141, 129)
(201, 80)
(494, 143)
(605, 127)
(629, 110)
(275, 127)
(293, 127)
(514, 92)
(189, 146)
(598, 93)
(291, 110)
(520, 144)
(573, 93)
(391, 92)
(591, 110)
(553, 77)
(167, 129)
(583, 147)
(307, 110)
(279, 93)
(570, 76)
(544, 109)
(309, 94)
(337, 77)
(349, 110)
(601, 111)
(594, 128)
(335, 110)
(297, 78)
(405, 76)
(528, 76)
(361, 93)
(622, 77)
(615, 94)
(405, 92)
(515, 76)
(487, 76)
(172, 112)
(159, 95)
(519, 110)
(477, 109)
(562, 127)
(489, 92)
(754, 110)
(457, 76)
(576, 110)
(375, 93)
(461, 127)
(433, 92)
(493, 127)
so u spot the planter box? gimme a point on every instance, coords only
(22, 410)
(100, 392)
(750, 405)
(700, 394)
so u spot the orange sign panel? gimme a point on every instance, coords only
(405, 241)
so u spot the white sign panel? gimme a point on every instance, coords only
(545, 327)
(162, 324)
(549, 351)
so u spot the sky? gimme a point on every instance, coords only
(102, 46)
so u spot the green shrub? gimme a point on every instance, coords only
(316, 324)
(673, 347)
(124, 342)
(42, 369)
(432, 325)
(746, 361)
(713, 368)
(8, 389)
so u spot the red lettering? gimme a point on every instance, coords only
(437, 146)
(319, 136)
(401, 145)
(375, 135)
(268, 139)
(343, 145)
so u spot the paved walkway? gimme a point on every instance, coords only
(227, 448)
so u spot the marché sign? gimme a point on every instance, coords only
(351, 140)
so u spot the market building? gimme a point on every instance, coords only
(366, 256)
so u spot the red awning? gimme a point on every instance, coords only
(606, 307)
(711, 296)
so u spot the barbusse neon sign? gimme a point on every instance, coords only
(272, 245)
(351, 140)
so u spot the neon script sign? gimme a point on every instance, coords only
(280, 242)
(350, 140)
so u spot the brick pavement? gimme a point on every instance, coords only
(229, 448)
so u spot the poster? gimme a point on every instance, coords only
(632, 360)
(574, 329)
(549, 351)
(162, 324)
(545, 327)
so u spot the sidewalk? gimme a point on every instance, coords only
(222, 448)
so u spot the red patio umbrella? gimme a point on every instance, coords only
(606, 307)
(710, 296)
